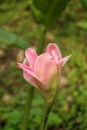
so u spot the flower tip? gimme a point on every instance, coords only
(18, 64)
(69, 56)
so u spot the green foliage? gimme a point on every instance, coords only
(10, 1)
(82, 24)
(48, 11)
(9, 39)
(84, 3)
(13, 120)
(54, 120)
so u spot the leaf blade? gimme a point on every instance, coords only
(50, 10)
(8, 39)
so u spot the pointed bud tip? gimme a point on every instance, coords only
(69, 56)
(18, 64)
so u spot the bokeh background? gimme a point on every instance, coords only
(70, 33)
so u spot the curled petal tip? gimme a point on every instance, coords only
(54, 51)
(18, 64)
(69, 56)
(31, 56)
(65, 59)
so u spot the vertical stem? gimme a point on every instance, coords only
(30, 93)
(45, 114)
(41, 39)
(47, 106)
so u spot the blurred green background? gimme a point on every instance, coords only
(70, 33)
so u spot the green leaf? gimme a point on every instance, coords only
(9, 39)
(35, 115)
(84, 3)
(54, 119)
(48, 10)
(38, 3)
(82, 24)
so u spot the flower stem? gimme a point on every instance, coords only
(30, 93)
(45, 114)
(41, 39)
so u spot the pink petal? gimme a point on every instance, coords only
(26, 62)
(31, 56)
(27, 69)
(49, 70)
(40, 63)
(63, 60)
(54, 51)
(30, 76)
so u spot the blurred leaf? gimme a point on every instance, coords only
(9, 39)
(35, 115)
(84, 3)
(54, 119)
(13, 120)
(49, 12)
(38, 100)
(82, 24)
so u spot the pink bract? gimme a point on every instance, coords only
(38, 70)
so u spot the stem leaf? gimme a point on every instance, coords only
(10, 39)
(48, 10)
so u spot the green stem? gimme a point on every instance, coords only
(41, 39)
(30, 93)
(48, 103)
(45, 114)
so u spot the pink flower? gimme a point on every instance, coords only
(38, 70)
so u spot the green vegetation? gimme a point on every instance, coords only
(70, 32)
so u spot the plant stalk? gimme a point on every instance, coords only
(45, 115)
(41, 39)
(30, 94)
